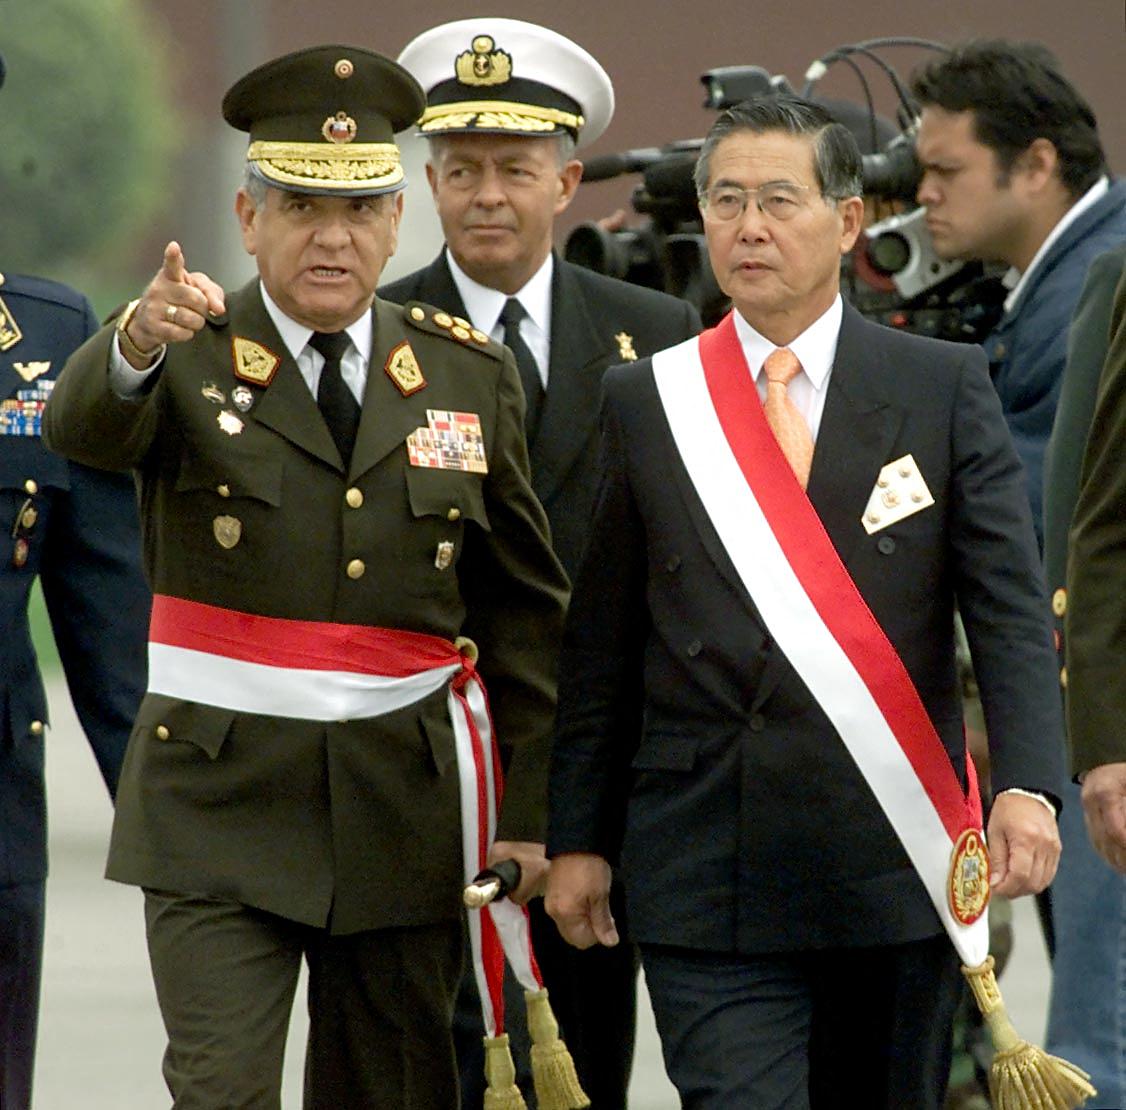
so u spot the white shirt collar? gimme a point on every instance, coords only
(484, 305)
(295, 336)
(816, 347)
(1014, 279)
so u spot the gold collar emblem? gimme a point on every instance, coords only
(253, 362)
(483, 65)
(10, 333)
(403, 369)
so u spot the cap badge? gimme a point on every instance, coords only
(253, 362)
(403, 369)
(340, 128)
(968, 886)
(483, 65)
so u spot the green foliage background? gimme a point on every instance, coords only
(86, 130)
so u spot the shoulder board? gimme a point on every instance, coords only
(434, 321)
(40, 289)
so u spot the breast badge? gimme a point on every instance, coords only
(211, 392)
(242, 398)
(228, 531)
(29, 371)
(450, 441)
(403, 369)
(968, 885)
(253, 362)
(444, 556)
(230, 423)
(899, 492)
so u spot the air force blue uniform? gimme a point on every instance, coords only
(76, 528)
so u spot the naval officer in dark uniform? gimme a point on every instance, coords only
(76, 530)
(509, 102)
(334, 490)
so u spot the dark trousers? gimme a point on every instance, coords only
(21, 962)
(794, 1031)
(594, 996)
(380, 1005)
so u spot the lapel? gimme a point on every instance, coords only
(579, 355)
(438, 289)
(387, 417)
(286, 406)
(857, 430)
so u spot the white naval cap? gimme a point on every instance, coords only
(507, 77)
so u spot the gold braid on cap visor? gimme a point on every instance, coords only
(366, 165)
(500, 115)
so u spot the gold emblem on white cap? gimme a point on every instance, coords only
(482, 65)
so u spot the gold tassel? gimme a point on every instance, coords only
(553, 1070)
(1022, 1076)
(500, 1072)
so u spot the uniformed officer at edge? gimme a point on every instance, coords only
(333, 490)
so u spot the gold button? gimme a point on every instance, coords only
(162, 732)
(1059, 602)
(35, 728)
(354, 497)
(223, 490)
(31, 486)
(417, 313)
(356, 568)
(454, 513)
(1063, 677)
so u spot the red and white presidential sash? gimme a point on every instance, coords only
(814, 612)
(320, 671)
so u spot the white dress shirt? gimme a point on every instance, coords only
(485, 305)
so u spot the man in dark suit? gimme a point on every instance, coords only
(336, 507)
(75, 529)
(777, 581)
(499, 181)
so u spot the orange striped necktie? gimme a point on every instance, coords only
(787, 424)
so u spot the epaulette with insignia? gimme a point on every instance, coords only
(436, 322)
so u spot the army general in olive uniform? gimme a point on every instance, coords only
(330, 486)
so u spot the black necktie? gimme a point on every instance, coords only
(335, 400)
(511, 315)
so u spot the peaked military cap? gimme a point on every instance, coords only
(322, 120)
(508, 77)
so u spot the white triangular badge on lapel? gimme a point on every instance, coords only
(898, 493)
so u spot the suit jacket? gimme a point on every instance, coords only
(1096, 682)
(588, 311)
(738, 818)
(301, 817)
(1087, 343)
(76, 530)
(1028, 348)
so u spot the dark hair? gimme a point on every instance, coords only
(836, 157)
(1017, 95)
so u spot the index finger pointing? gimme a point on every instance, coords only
(173, 265)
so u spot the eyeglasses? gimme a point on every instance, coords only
(780, 200)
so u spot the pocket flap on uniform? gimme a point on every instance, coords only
(666, 751)
(451, 494)
(165, 720)
(233, 475)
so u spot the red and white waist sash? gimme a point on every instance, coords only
(320, 671)
(816, 615)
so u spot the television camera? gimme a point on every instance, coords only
(892, 275)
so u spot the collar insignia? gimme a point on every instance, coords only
(253, 362)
